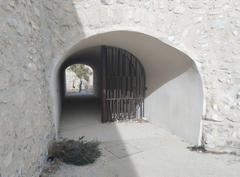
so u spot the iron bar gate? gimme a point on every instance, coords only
(123, 85)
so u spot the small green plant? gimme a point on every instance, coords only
(76, 152)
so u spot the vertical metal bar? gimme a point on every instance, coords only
(103, 60)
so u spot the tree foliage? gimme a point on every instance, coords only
(82, 71)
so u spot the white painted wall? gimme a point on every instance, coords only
(177, 106)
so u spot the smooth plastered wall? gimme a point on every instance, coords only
(178, 105)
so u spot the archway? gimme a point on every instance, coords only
(174, 95)
(79, 80)
(118, 86)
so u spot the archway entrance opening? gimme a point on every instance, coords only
(171, 94)
(101, 84)
(79, 80)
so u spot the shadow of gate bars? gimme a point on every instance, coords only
(123, 85)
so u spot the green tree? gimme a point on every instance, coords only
(81, 71)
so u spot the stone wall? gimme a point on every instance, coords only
(25, 116)
(36, 36)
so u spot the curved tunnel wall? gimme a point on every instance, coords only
(177, 106)
(174, 96)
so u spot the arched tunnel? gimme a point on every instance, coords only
(173, 98)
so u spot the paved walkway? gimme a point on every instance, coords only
(132, 149)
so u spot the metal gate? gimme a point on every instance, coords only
(123, 85)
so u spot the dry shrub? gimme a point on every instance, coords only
(76, 152)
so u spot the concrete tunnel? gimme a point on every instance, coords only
(174, 95)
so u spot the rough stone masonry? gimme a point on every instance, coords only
(34, 35)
